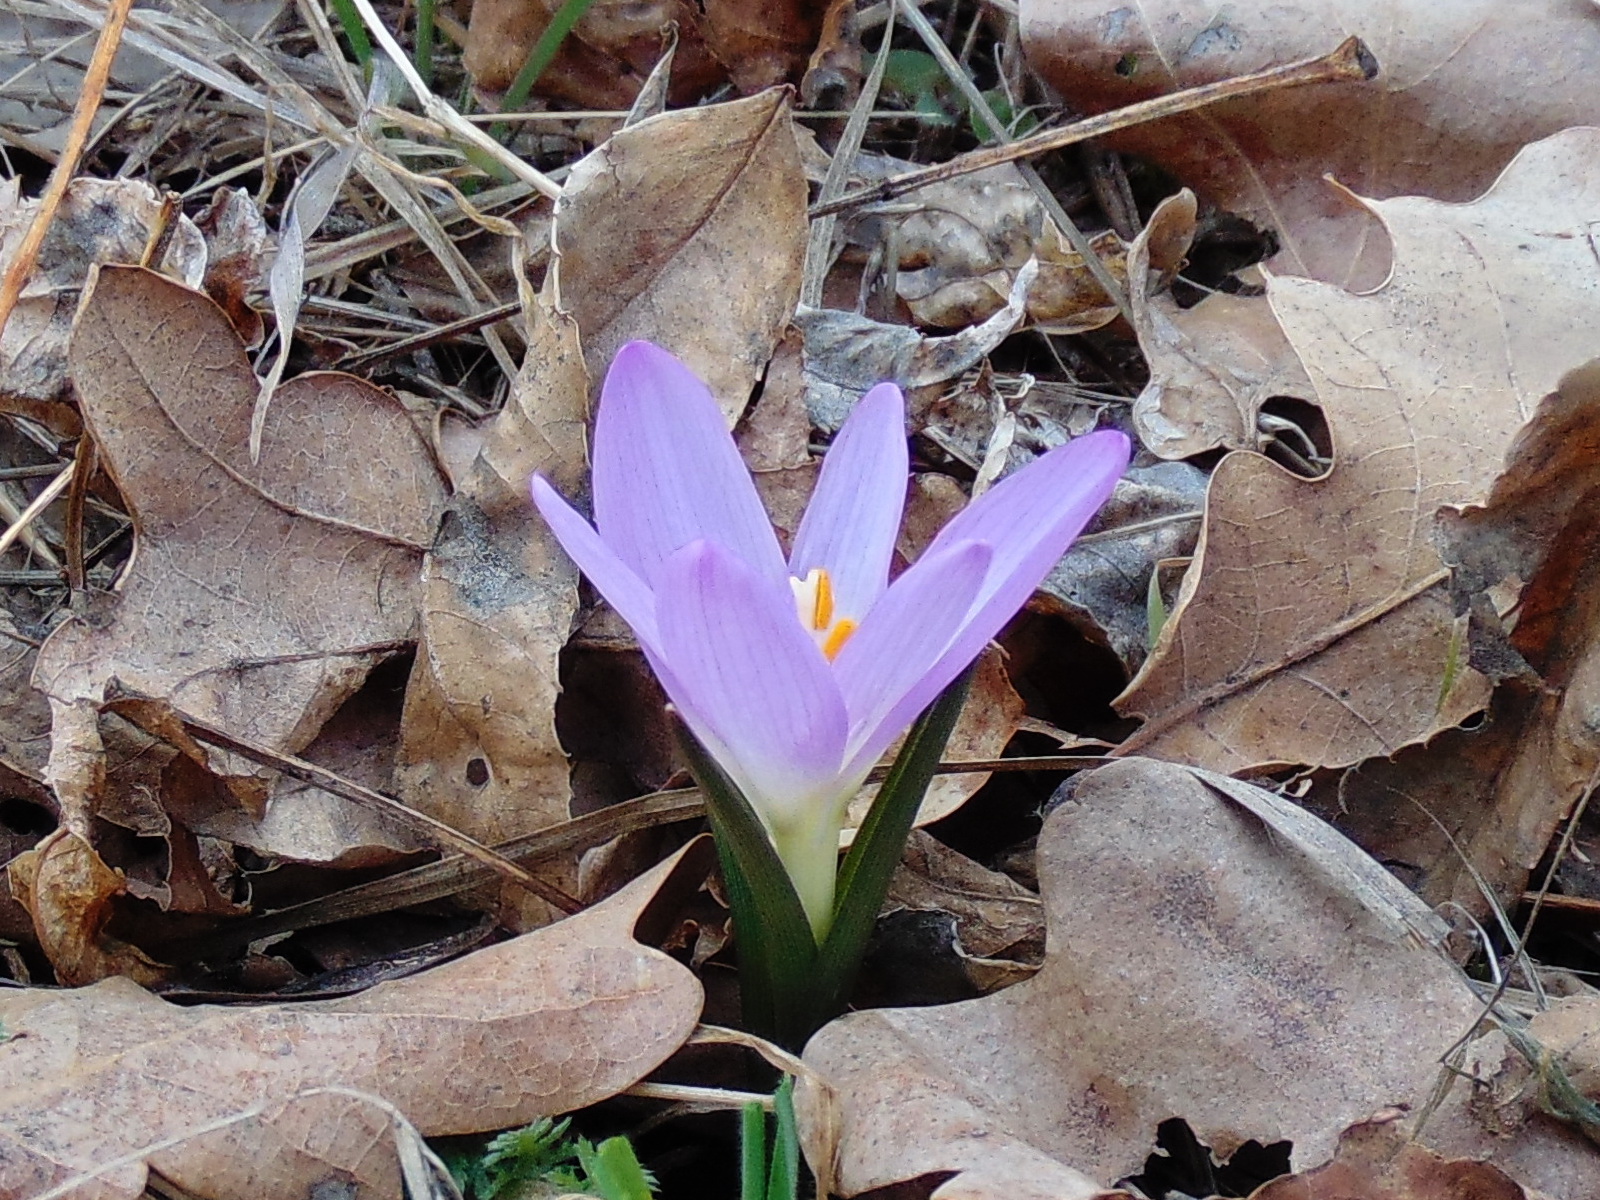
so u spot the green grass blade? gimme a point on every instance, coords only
(752, 1152)
(784, 1181)
(354, 31)
(541, 56)
(423, 50)
(881, 840)
(777, 953)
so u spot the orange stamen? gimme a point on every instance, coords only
(837, 637)
(822, 610)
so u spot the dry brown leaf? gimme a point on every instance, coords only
(998, 923)
(236, 244)
(1312, 627)
(1211, 366)
(99, 221)
(68, 891)
(1101, 585)
(689, 230)
(1195, 968)
(24, 712)
(537, 1025)
(1495, 795)
(1376, 1161)
(846, 354)
(605, 60)
(959, 245)
(260, 594)
(479, 748)
(1462, 87)
(988, 719)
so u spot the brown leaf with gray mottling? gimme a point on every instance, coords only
(1313, 626)
(478, 744)
(1197, 967)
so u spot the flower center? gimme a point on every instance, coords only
(813, 602)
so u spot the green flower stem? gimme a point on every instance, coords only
(789, 985)
(810, 854)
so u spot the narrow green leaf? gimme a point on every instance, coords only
(784, 1181)
(354, 31)
(777, 954)
(880, 842)
(540, 57)
(752, 1152)
(1452, 664)
(423, 51)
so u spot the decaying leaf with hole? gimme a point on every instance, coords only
(1313, 626)
(1212, 366)
(541, 1024)
(260, 593)
(479, 748)
(1482, 804)
(1449, 109)
(1197, 967)
(688, 230)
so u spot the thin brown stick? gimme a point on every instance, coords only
(83, 466)
(429, 337)
(442, 835)
(454, 873)
(1351, 61)
(94, 89)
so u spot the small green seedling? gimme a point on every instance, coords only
(540, 1158)
(777, 1178)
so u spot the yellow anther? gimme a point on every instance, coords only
(837, 637)
(822, 610)
(813, 604)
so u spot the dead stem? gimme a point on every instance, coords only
(1351, 61)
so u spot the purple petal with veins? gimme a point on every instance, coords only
(742, 664)
(850, 524)
(666, 471)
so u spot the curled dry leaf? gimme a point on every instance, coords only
(689, 230)
(1485, 802)
(959, 245)
(1313, 626)
(260, 594)
(847, 354)
(541, 1024)
(1212, 366)
(1449, 109)
(68, 891)
(99, 221)
(478, 740)
(1195, 968)
(998, 924)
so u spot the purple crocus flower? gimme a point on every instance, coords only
(796, 676)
